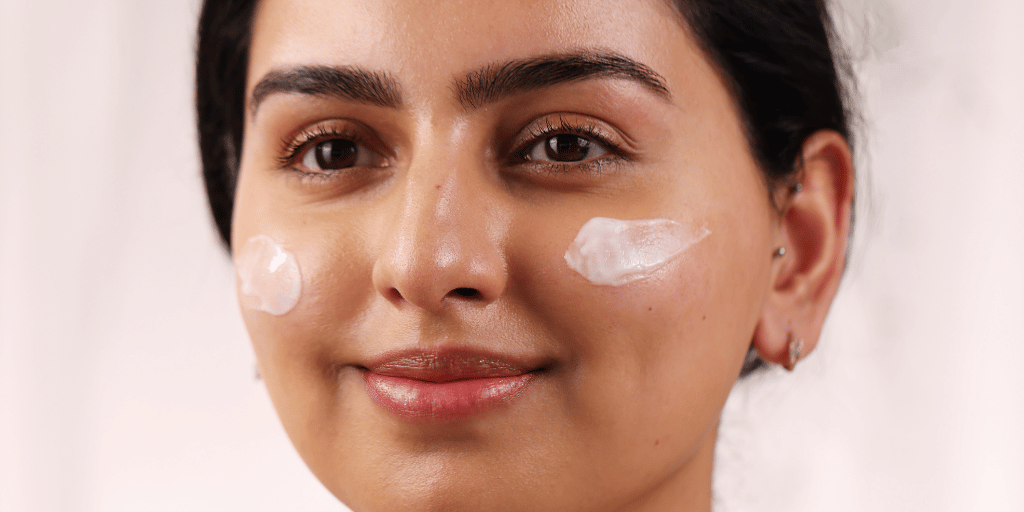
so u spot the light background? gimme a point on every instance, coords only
(127, 383)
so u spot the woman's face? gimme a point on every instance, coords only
(428, 164)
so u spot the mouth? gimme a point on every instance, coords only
(448, 384)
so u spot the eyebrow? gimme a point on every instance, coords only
(489, 84)
(352, 83)
(495, 82)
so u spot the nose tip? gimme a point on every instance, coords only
(440, 251)
(429, 273)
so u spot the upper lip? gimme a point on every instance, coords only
(449, 364)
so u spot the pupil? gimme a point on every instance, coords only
(567, 148)
(335, 154)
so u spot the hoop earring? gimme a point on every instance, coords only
(796, 351)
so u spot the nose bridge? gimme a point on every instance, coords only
(440, 246)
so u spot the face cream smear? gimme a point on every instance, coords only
(269, 276)
(614, 252)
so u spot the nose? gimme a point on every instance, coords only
(442, 246)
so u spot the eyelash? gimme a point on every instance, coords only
(538, 134)
(293, 149)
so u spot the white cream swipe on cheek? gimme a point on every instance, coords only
(615, 252)
(268, 275)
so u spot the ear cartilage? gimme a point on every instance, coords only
(268, 275)
(614, 252)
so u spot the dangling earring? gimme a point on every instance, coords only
(796, 351)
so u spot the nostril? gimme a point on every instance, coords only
(392, 294)
(469, 293)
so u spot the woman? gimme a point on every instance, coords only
(513, 255)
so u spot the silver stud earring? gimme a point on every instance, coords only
(796, 351)
(797, 188)
(780, 252)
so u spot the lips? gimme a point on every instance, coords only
(445, 384)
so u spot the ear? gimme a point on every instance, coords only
(814, 226)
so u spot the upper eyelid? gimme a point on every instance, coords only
(316, 130)
(293, 146)
(521, 145)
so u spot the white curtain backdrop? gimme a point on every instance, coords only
(127, 382)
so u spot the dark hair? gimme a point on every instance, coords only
(788, 74)
(222, 62)
(779, 57)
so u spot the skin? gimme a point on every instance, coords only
(625, 416)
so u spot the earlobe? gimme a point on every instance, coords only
(814, 225)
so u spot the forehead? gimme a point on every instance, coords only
(430, 41)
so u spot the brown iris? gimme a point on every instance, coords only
(567, 148)
(336, 154)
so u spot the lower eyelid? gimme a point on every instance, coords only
(600, 165)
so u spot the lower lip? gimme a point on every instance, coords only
(423, 400)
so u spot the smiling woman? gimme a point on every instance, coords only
(524, 249)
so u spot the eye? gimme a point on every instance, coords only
(565, 147)
(329, 149)
(336, 154)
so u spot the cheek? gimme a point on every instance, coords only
(657, 329)
(269, 277)
(614, 252)
(297, 350)
(651, 361)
